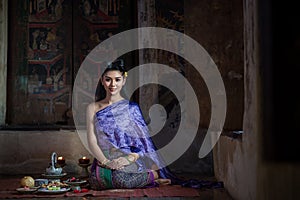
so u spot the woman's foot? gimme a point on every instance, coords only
(162, 181)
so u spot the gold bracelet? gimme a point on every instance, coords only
(105, 161)
(127, 158)
(103, 164)
(135, 155)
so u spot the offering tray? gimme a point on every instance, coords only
(75, 181)
(27, 190)
(46, 191)
(54, 176)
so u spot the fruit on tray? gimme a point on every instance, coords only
(73, 179)
(55, 185)
(27, 181)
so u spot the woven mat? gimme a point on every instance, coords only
(8, 191)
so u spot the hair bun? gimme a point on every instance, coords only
(115, 65)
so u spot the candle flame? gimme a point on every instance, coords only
(83, 157)
(60, 158)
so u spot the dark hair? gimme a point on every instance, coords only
(116, 65)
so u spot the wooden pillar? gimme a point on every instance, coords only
(3, 59)
(148, 93)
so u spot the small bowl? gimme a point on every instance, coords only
(54, 171)
(26, 190)
(40, 182)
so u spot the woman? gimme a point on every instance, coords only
(125, 156)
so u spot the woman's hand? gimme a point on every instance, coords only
(128, 159)
(133, 156)
(115, 164)
(111, 164)
(121, 162)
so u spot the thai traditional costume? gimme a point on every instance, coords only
(120, 130)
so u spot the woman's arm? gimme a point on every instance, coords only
(92, 140)
(91, 137)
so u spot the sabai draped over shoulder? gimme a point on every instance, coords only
(122, 126)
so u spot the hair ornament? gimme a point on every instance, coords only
(125, 74)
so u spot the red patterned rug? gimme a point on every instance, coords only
(8, 191)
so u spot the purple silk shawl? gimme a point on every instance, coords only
(122, 126)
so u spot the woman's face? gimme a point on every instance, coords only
(113, 82)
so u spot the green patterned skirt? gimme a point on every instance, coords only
(102, 178)
(128, 177)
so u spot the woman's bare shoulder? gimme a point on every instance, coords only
(96, 106)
